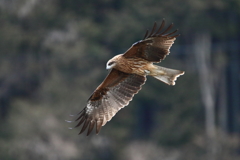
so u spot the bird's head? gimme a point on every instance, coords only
(113, 63)
(110, 64)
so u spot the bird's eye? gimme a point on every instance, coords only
(110, 63)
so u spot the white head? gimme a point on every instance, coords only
(110, 64)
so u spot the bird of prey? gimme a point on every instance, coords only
(128, 74)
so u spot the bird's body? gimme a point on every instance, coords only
(128, 74)
(131, 65)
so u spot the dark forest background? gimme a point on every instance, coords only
(53, 55)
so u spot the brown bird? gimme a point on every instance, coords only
(128, 74)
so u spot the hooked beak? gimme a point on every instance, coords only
(108, 67)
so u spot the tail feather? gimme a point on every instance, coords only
(166, 75)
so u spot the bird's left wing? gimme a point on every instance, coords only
(114, 93)
(155, 45)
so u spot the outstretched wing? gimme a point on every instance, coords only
(155, 45)
(115, 92)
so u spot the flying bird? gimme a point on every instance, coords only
(128, 74)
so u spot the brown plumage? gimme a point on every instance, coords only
(128, 74)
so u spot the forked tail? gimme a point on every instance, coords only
(166, 75)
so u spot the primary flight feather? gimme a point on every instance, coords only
(128, 74)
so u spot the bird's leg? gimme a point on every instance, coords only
(147, 72)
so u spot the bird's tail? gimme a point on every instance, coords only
(166, 75)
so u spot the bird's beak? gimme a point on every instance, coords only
(108, 67)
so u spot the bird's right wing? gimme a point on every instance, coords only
(114, 93)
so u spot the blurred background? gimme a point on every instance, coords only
(53, 55)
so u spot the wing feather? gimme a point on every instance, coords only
(161, 27)
(116, 91)
(155, 46)
(120, 102)
(153, 29)
(98, 126)
(91, 126)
